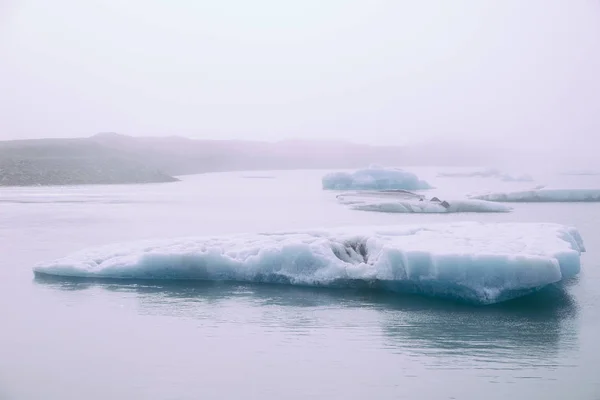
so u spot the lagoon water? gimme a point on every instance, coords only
(73, 339)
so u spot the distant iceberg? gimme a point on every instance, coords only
(543, 195)
(584, 172)
(487, 173)
(406, 204)
(258, 176)
(374, 178)
(473, 262)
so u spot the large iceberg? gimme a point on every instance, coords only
(374, 178)
(474, 262)
(401, 203)
(543, 195)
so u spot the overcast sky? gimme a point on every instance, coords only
(521, 71)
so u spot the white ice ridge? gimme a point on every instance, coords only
(475, 262)
(487, 173)
(384, 202)
(374, 178)
(543, 195)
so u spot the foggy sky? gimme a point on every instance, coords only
(523, 72)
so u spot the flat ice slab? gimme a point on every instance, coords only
(474, 262)
(401, 203)
(374, 178)
(544, 195)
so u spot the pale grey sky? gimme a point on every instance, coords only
(373, 71)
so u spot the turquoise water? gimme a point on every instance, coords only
(69, 339)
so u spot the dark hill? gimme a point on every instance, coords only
(115, 158)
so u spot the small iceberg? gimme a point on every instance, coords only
(383, 202)
(374, 178)
(543, 196)
(469, 261)
(583, 172)
(487, 173)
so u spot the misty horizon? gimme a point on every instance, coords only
(508, 74)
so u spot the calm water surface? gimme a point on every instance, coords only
(63, 339)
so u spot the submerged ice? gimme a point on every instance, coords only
(374, 178)
(401, 203)
(480, 263)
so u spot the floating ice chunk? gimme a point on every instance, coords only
(543, 195)
(487, 173)
(404, 204)
(480, 263)
(374, 177)
(584, 172)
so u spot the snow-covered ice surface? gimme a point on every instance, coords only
(543, 195)
(404, 203)
(487, 173)
(374, 178)
(474, 262)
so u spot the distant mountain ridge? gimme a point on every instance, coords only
(116, 158)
